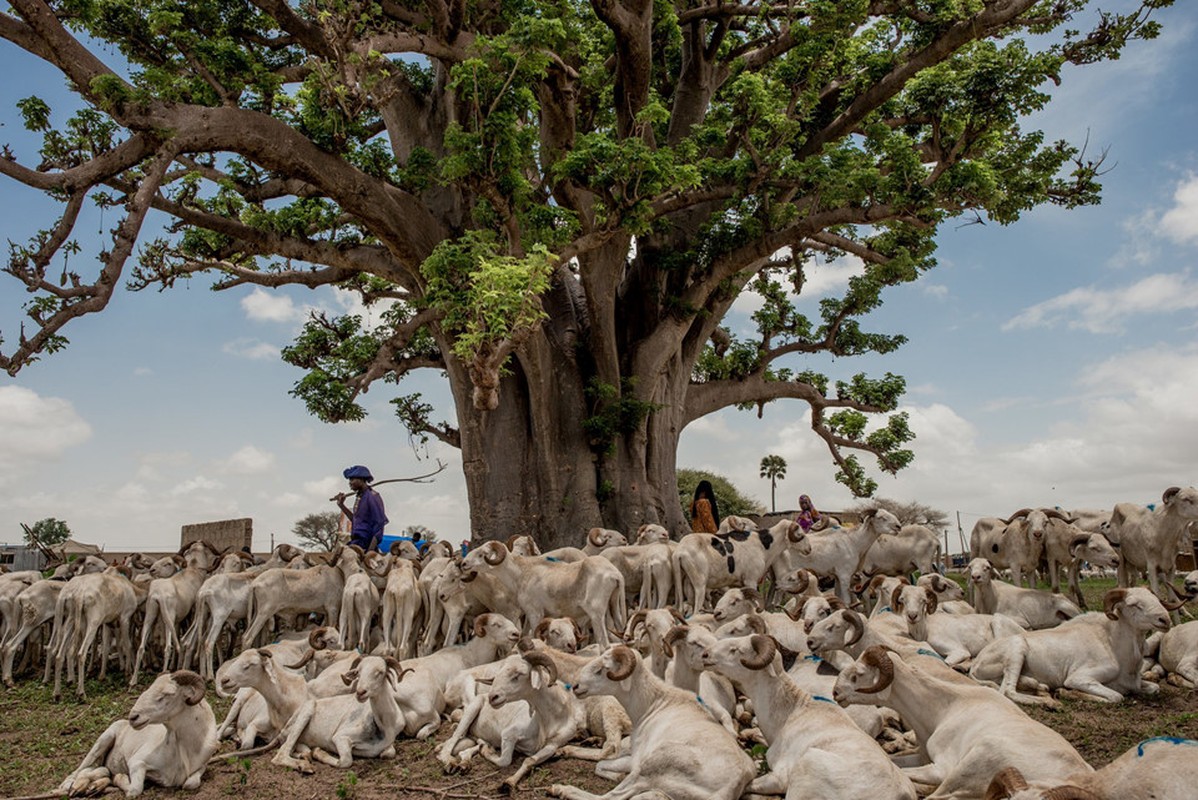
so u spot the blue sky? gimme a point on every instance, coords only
(1051, 362)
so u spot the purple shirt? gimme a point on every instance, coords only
(369, 519)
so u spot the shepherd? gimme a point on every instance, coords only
(368, 515)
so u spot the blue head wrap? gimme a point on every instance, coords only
(358, 471)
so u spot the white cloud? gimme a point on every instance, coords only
(1105, 310)
(36, 429)
(249, 460)
(263, 306)
(1180, 223)
(198, 484)
(820, 279)
(141, 372)
(936, 290)
(253, 349)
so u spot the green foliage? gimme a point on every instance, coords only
(318, 531)
(616, 413)
(487, 297)
(534, 135)
(730, 499)
(50, 532)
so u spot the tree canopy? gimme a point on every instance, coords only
(555, 202)
(48, 532)
(319, 530)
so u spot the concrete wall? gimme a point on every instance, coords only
(223, 534)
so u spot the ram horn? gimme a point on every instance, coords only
(676, 614)
(878, 658)
(1111, 599)
(1169, 493)
(857, 624)
(764, 651)
(494, 553)
(541, 629)
(1052, 512)
(804, 578)
(673, 635)
(511, 540)
(637, 618)
(756, 624)
(797, 613)
(1005, 784)
(932, 601)
(625, 663)
(1181, 599)
(596, 537)
(1023, 512)
(754, 597)
(537, 658)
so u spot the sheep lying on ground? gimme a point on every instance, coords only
(1162, 768)
(167, 739)
(815, 750)
(677, 750)
(966, 732)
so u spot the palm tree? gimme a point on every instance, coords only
(774, 468)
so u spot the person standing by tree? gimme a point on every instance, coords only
(705, 512)
(368, 515)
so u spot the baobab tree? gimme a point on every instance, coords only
(774, 468)
(556, 203)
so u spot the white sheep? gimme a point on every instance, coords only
(167, 739)
(677, 750)
(966, 732)
(363, 723)
(815, 750)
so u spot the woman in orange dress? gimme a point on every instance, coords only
(705, 514)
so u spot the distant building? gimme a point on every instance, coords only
(19, 557)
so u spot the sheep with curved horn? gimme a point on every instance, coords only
(815, 749)
(677, 749)
(968, 732)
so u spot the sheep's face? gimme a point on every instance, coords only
(243, 670)
(561, 634)
(1191, 584)
(885, 522)
(1185, 503)
(944, 588)
(851, 679)
(165, 698)
(499, 629)
(369, 679)
(516, 680)
(450, 583)
(726, 656)
(650, 533)
(608, 673)
(830, 633)
(814, 610)
(163, 568)
(734, 603)
(1035, 526)
(1098, 551)
(1142, 609)
(914, 602)
(980, 571)
(793, 582)
(691, 648)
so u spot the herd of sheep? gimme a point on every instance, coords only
(660, 661)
